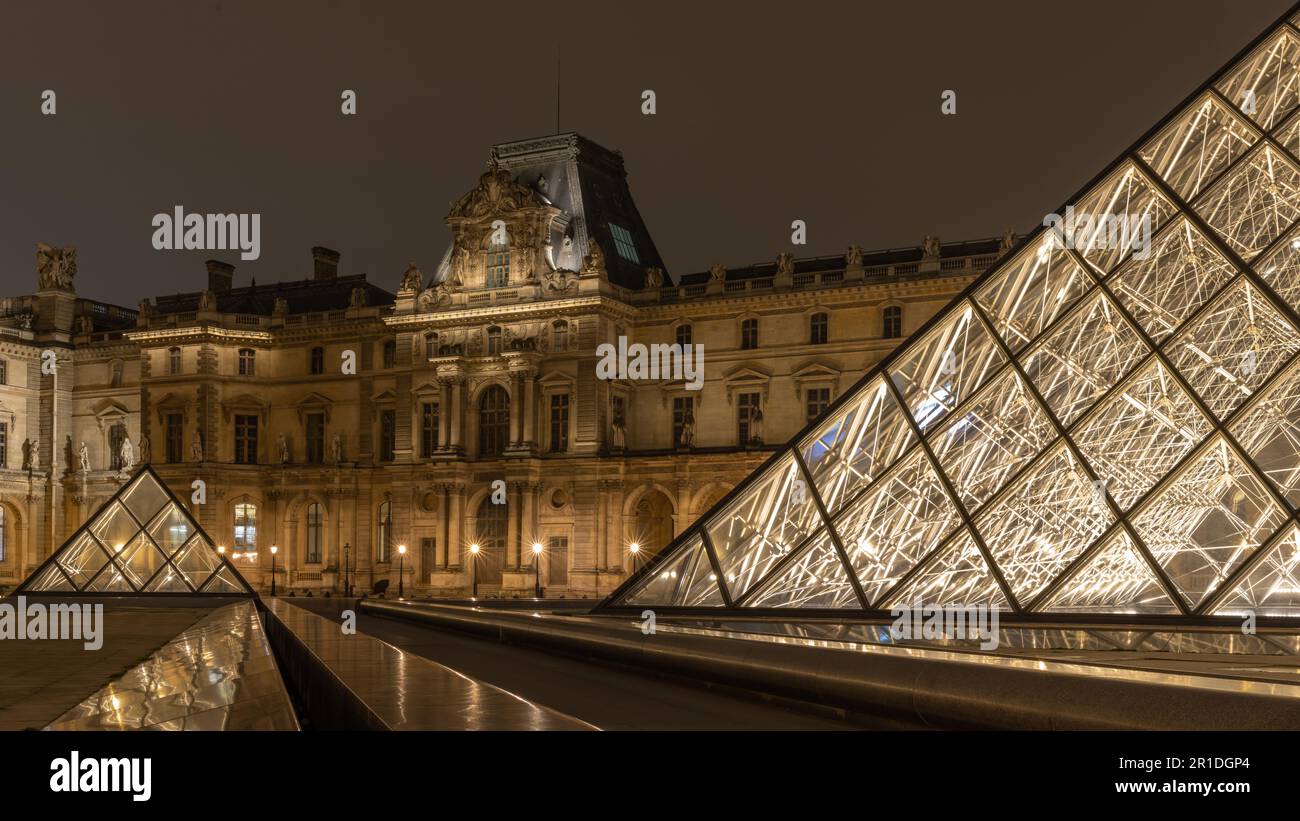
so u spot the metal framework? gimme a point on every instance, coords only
(141, 541)
(1097, 427)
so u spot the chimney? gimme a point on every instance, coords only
(221, 275)
(327, 262)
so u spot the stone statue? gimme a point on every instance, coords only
(282, 444)
(280, 307)
(144, 449)
(128, 455)
(83, 455)
(784, 265)
(196, 447)
(618, 432)
(654, 277)
(930, 248)
(85, 325)
(207, 301)
(718, 272)
(594, 263)
(687, 439)
(55, 267)
(459, 267)
(336, 449)
(854, 257)
(411, 280)
(558, 281)
(29, 450)
(756, 426)
(1007, 242)
(357, 299)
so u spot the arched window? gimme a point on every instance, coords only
(173, 360)
(493, 341)
(317, 360)
(684, 334)
(493, 421)
(247, 361)
(818, 329)
(892, 320)
(313, 534)
(384, 533)
(430, 345)
(490, 535)
(560, 333)
(246, 527)
(498, 265)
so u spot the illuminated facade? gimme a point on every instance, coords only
(1104, 423)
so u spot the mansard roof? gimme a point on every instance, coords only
(303, 296)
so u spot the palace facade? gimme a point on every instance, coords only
(460, 417)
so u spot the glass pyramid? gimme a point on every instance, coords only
(1106, 422)
(140, 541)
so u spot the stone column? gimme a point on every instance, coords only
(613, 523)
(455, 539)
(440, 548)
(512, 526)
(457, 422)
(530, 409)
(516, 408)
(444, 414)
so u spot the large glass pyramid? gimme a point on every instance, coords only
(1106, 422)
(140, 541)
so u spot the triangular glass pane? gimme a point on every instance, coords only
(1118, 216)
(958, 575)
(168, 581)
(1028, 294)
(898, 523)
(145, 497)
(856, 444)
(1140, 433)
(765, 522)
(82, 559)
(1116, 579)
(1288, 134)
(815, 578)
(140, 560)
(945, 366)
(223, 581)
(1269, 432)
(1265, 83)
(1254, 202)
(1193, 149)
(991, 437)
(1280, 268)
(170, 529)
(111, 580)
(1180, 273)
(1272, 586)
(669, 583)
(1046, 519)
(1087, 353)
(1207, 520)
(196, 561)
(50, 580)
(113, 526)
(1233, 347)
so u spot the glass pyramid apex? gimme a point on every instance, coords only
(141, 541)
(1107, 421)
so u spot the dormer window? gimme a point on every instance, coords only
(498, 265)
(623, 243)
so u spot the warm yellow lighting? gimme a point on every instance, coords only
(537, 548)
(235, 554)
(401, 548)
(474, 549)
(221, 549)
(274, 550)
(634, 548)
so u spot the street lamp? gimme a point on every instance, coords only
(537, 569)
(635, 550)
(473, 567)
(347, 581)
(401, 565)
(274, 550)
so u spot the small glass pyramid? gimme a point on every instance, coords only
(140, 541)
(1106, 422)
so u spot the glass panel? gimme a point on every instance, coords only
(1115, 580)
(1208, 520)
(1232, 348)
(1269, 432)
(1254, 203)
(769, 519)
(223, 581)
(114, 527)
(896, 525)
(50, 580)
(991, 438)
(168, 581)
(82, 559)
(145, 497)
(1119, 216)
(1281, 269)
(1182, 271)
(1088, 352)
(196, 561)
(111, 580)
(958, 575)
(1194, 148)
(683, 580)
(141, 560)
(170, 529)
(1272, 586)
(1140, 433)
(1030, 292)
(946, 365)
(1263, 84)
(857, 444)
(1047, 519)
(815, 578)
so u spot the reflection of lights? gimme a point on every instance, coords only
(713, 577)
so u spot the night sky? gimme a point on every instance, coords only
(766, 113)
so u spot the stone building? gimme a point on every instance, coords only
(340, 421)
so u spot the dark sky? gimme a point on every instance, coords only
(766, 113)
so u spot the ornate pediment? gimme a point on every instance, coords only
(497, 193)
(314, 403)
(246, 402)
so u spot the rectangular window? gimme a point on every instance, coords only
(557, 561)
(245, 527)
(559, 422)
(684, 335)
(819, 399)
(498, 267)
(247, 361)
(173, 360)
(893, 322)
(683, 407)
(116, 435)
(749, 334)
(818, 326)
(428, 554)
(623, 243)
(428, 428)
(245, 439)
(315, 438)
(175, 433)
(390, 355)
(746, 407)
(317, 360)
(387, 435)
(4, 372)
(4, 444)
